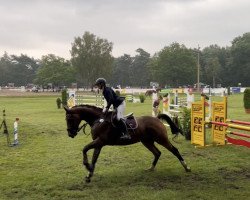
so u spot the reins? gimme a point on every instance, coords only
(83, 127)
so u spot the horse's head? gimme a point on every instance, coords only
(73, 120)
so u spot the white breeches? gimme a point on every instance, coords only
(120, 110)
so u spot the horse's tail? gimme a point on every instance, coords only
(174, 128)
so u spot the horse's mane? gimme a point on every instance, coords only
(88, 106)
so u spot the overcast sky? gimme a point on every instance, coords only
(40, 27)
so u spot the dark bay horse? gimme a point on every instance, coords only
(149, 131)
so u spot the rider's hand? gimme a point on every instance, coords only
(104, 110)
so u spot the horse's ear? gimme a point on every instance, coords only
(66, 108)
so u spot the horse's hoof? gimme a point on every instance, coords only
(151, 169)
(188, 169)
(85, 164)
(87, 179)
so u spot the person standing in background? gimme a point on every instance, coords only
(156, 104)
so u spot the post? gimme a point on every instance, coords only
(198, 69)
(5, 128)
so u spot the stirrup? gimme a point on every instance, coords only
(128, 115)
(126, 136)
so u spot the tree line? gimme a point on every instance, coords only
(173, 66)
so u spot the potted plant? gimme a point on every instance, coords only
(142, 98)
(64, 97)
(246, 100)
(186, 123)
(58, 102)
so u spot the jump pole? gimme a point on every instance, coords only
(239, 134)
(238, 122)
(232, 126)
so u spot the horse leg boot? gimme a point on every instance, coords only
(178, 155)
(124, 130)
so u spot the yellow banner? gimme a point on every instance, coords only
(198, 123)
(178, 90)
(71, 102)
(219, 115)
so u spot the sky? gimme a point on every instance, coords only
(41, 27)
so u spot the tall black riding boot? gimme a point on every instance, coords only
(125, 134)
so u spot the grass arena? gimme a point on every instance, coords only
(48, 164)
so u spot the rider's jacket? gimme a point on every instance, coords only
(112, 98)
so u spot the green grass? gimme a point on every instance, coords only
(48, 164)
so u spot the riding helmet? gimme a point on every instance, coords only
(100, 81)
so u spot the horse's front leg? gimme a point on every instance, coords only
(97, 145)
(92, 166)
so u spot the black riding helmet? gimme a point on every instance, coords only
(100, 81)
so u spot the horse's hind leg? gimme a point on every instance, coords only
(175, 151)
(178, 155)
(151, 147)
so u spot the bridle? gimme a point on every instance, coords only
(83, 127)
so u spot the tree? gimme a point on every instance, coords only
(240, 60)
(211, 64)
(24, 69)
(20, 70)
(55, 70)
(174, 65)
(121, 70)
(139, 71)
(5, 75)
(224, 73)
(153, 68)
(91, 57)
(214, 66)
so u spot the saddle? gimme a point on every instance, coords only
(130, 121)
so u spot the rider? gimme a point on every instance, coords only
(117, 102)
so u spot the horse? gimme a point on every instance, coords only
(150, 92)
(149, 130)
